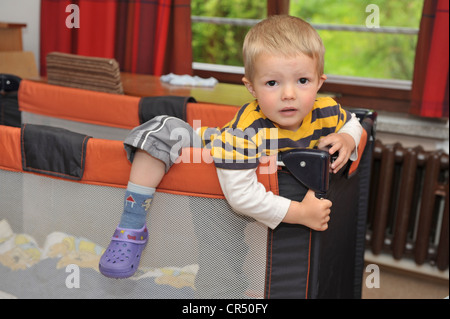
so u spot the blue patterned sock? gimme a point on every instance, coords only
(136, 205)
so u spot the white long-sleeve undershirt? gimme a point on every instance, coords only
(247, 196)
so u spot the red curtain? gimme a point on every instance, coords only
(431, 80)
(147, 37)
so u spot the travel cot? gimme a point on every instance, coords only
(61, 195)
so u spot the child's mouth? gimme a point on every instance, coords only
(288, 111)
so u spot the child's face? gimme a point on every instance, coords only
(286, 88)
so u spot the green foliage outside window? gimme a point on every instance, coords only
(222, 44)
(362, 54)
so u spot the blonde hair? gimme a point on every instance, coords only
(285, 35)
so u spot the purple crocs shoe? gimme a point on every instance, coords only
(121, 258)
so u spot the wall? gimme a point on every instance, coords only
(28, 12)
(410, 131)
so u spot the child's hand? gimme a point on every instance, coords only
(311, 212)
(316, 212)
(338, 142)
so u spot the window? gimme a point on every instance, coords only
(358, 51)
(219, 28)
(373, 39)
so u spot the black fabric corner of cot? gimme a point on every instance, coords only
(303, 263)
(9, 107)
(152, 106)
(53, 151)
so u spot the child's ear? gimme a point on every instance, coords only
(249, 86)
(322, 79)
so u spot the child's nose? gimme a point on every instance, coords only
(288, 92)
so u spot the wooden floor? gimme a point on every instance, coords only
(398, 284)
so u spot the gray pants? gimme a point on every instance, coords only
(163, 137)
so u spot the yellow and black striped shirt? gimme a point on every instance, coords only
(250, 134)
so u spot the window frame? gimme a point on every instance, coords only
(355, 92)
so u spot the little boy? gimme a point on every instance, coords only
(283, 59)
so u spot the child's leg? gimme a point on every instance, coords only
(152, 148)
(146, 170)
(121, 258)
(145, 175)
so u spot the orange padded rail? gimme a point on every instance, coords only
(361, 148)
(195, 174)
(10, 153)
(107, 165)
(106, 162)
(79, 105)
(210, 115)
(106, 109)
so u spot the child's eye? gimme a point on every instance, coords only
(303, 80)
(271, 83)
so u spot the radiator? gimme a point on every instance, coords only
(408, 204)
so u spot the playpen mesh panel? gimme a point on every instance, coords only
(11, 199)
(198, 247)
